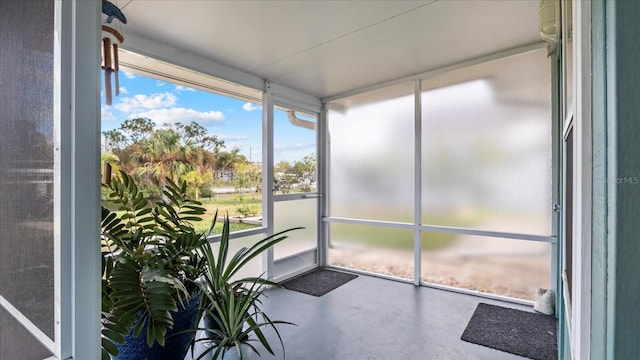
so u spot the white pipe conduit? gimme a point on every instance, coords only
(299, 122)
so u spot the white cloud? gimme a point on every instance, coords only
(129, 75)
(233, 137)
(123, 90)
(160, 83)
(250, 107)
(141, 102)
(183, 115)
(106, 115)
(299, 146)
(180, 88)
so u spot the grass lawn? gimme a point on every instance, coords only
(204, 226)
(368, 235)
(381, 237)
(224, 204)
(228, 204)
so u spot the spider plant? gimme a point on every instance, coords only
(231, 306)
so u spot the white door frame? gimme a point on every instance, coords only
(580, 109)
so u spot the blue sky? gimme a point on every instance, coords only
(238, 123)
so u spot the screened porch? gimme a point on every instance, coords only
(429, 130)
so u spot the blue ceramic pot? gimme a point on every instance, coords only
(175, 347)
(210, 324)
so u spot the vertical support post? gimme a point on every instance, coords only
(62, 234)
(77, 220)
(582, 79)
(417, 213)
(323, 182)
(267, 177)
(556, 174)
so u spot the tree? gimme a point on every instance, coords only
(283, 177)
(138, 129)
(305, 172)
(301, 175)
(282, 167)
(111, 159)
(248, 178)
(195, 133)
(227, 160)
(153, 153)
(114, 139)
(194, 180)
(162, 155)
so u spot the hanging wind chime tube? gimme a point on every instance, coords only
(111, 38)
(106, 45)
(116, 68)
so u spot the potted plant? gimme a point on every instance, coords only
(233, 316)
(151, 260)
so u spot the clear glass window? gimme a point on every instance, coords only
(180, 124)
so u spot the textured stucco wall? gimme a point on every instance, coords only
(616, 183)
(599, 195)
(625, 228)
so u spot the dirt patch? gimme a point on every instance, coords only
(497, 266)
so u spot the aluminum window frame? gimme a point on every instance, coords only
(417, 226)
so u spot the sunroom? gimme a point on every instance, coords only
(447, 145)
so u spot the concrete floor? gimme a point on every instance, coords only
(376, 319)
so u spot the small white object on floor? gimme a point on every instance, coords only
(545, 301)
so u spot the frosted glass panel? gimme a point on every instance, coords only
(372, 248)
(26, 173)
(372, 154)
(493, 265)
(295, 213)
(486, 146)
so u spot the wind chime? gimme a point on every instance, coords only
(111, 39)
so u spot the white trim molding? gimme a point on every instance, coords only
(78, 255)
(581, 304)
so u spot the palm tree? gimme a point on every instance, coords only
(227, 160)
(112, 160)
(163, 155)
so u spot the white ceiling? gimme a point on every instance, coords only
(326, 48)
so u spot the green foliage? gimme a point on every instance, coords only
(248, 177)
(150, 260)
(195, 180)
(115, 139)
(226, 160)
(137, 129)
(244, 210)
(195, 133)
(151, 153)
(234, 305)
(301, 175)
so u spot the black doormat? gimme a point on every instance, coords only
(318, 282)
(527, 334)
